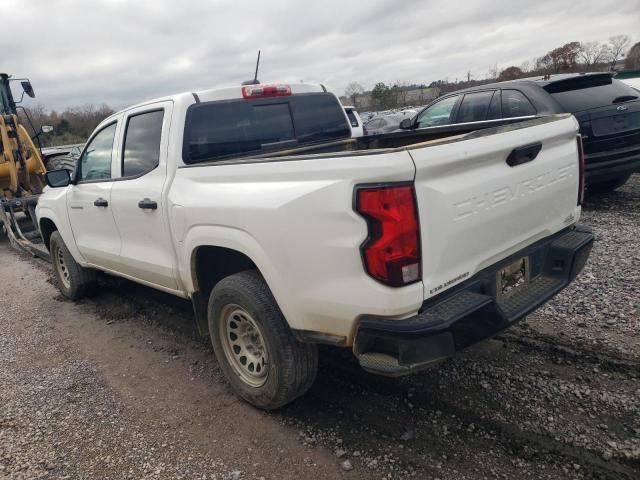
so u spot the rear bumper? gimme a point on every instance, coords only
(471, 312)
(611, 163)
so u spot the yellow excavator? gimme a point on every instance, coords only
(21, 172)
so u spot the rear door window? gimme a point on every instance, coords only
(224, 129)
(495, 110)
(474, 107)
(515, 104)
(142, 143)
(439, 113)
(584, 93)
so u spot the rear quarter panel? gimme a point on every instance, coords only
(294, 219)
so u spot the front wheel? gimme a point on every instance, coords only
(73, 280)
(255, 348)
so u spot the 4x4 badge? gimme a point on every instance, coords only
(622, 108)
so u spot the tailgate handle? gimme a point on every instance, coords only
(524, 154)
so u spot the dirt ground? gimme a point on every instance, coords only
(120, 386)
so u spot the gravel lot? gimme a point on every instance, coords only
(120, 386)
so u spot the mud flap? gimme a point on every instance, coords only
(199, 303)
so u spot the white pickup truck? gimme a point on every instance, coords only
(255, 203)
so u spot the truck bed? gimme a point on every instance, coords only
(390, 141)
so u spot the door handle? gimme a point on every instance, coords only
(524, 154)
(101, 202)
(147, 204)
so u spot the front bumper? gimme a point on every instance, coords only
(471, 311)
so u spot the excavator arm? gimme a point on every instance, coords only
(21, 177)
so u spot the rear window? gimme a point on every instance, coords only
(226, 129)
(515, 104)
(584, 93)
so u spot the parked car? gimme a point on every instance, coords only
(366, 116)
(255, 203)
(384, 123)
(357, 128)
(607, 110)
(632, 82)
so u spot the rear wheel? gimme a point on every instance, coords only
(255, 348)
(74, 280)
(609, 185)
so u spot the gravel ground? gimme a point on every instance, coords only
(120, 386)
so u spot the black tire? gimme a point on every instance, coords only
(609, 185)
(74, 281)
(60, 162)
(291, 367)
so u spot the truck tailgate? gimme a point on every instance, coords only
(476, 209)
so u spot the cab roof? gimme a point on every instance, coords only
(541, 81)
(226, 93)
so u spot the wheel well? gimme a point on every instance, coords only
(209, 265)
(47, 227)
(212, 264)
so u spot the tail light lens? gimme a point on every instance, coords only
(580, 171)
(391, 254)
(265, 91)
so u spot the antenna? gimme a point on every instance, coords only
(255, 80)
(255, 77)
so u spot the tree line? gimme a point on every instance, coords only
(570, 57)
(579, 57)
(72, 125)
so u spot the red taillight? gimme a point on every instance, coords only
(392, 252)
(264, 91)
(580, 171)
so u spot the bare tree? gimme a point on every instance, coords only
(526, 66)
(559, 59)
(33, 118)
(352, 90)
(400, 91)
(591, 53)
(617, 46)
(510, 73)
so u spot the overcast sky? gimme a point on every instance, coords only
(121, 52)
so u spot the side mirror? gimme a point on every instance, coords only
(406, 124)
(58, 178)
(28, 89)
(46, 128)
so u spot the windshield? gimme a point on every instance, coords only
(585, 94)
(225, 129)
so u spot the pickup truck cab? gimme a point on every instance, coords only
(355, 121)
(285, 232)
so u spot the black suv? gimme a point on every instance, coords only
(607, 110)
